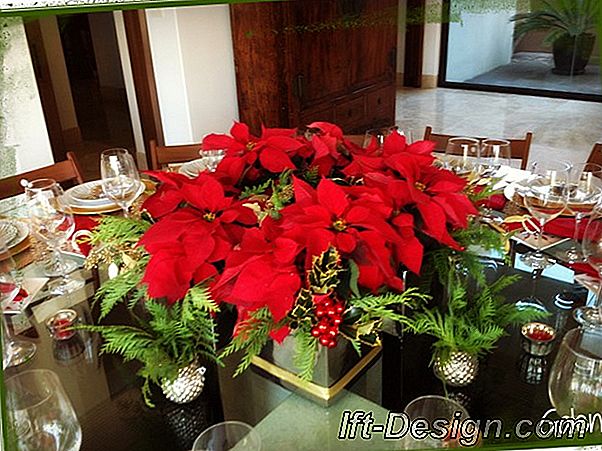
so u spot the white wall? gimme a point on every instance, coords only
(23, 119)
(193, 63)
(479, 43)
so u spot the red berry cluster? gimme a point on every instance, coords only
(330, 315)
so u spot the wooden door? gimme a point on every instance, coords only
(320, 56)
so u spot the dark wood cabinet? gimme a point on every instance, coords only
(299, 61)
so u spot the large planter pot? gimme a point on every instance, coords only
(458, 369)
(187, 386)
(572, 53)
(335, 368)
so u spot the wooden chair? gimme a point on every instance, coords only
(596, 154)
(519, 148)
(161, 156)
(64, 171)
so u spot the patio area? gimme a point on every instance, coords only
(534, 70)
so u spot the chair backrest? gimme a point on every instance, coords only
(63, 171)
(519, 148)
(163, 155)
(596, 154)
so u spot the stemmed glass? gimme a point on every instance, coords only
(378, 135)
(42, 417)
(575, 384)
(229, 435)
(592, 251)
(15, 351)
(120, 178)
(462, 155)
(495, 153)
(212, 158)
(545, 196)
(52, 222)
(585, 190)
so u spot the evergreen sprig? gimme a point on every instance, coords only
(118, 230)
(168, 339)
(251, 335)
(125, 286)
(306, 350)
(472, 325)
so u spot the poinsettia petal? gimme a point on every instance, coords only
(240, 132)
(332, 196)
(275, 160)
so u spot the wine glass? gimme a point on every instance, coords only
(52, 222)
(575, 383)
(229, 435)
(545, 195)
(462, 155)
(592, 250)
(212, 158)
(585, 189)
(433, 408)
(42, 417)
(495, 153)
(15, 351)
(378, 135)
(120, 178)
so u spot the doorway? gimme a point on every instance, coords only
(80, 78)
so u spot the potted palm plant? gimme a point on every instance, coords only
(570, 25)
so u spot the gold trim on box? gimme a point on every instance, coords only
(325, 393)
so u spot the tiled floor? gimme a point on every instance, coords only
(534, 70)
(563, 129)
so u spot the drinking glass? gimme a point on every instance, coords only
(120, 178)
(378, 135)
(433, 408)
(584, 193)
(592, 250)
(212, 158)
(52, 222)
(15, 351)
(41, 414)
(229, 435)
(495, 153)
(462, 155)
(545, 195)
(575, 384)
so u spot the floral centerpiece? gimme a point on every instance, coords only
(305, 234)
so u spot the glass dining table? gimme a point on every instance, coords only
(105, 391)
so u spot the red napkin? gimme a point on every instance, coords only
(564, 227)
(85, 222)
(8, 287)
(495, 202)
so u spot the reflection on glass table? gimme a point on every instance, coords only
(106, 398)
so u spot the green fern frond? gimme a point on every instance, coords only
(305, 354)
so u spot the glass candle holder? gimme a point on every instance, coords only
(60, 324)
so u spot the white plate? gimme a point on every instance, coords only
(22, 233)
(8, 231)
(193, 168)
(82, 196)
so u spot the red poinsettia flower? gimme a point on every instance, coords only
(328, 217)
(185, 243)
(436, 193)
(372, 158)
(260, 273)
(273, 149)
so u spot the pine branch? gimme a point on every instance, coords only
(117, 289)
(251, 336)
(305, 354)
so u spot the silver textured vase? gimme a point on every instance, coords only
(458, 370)
(187, 386)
